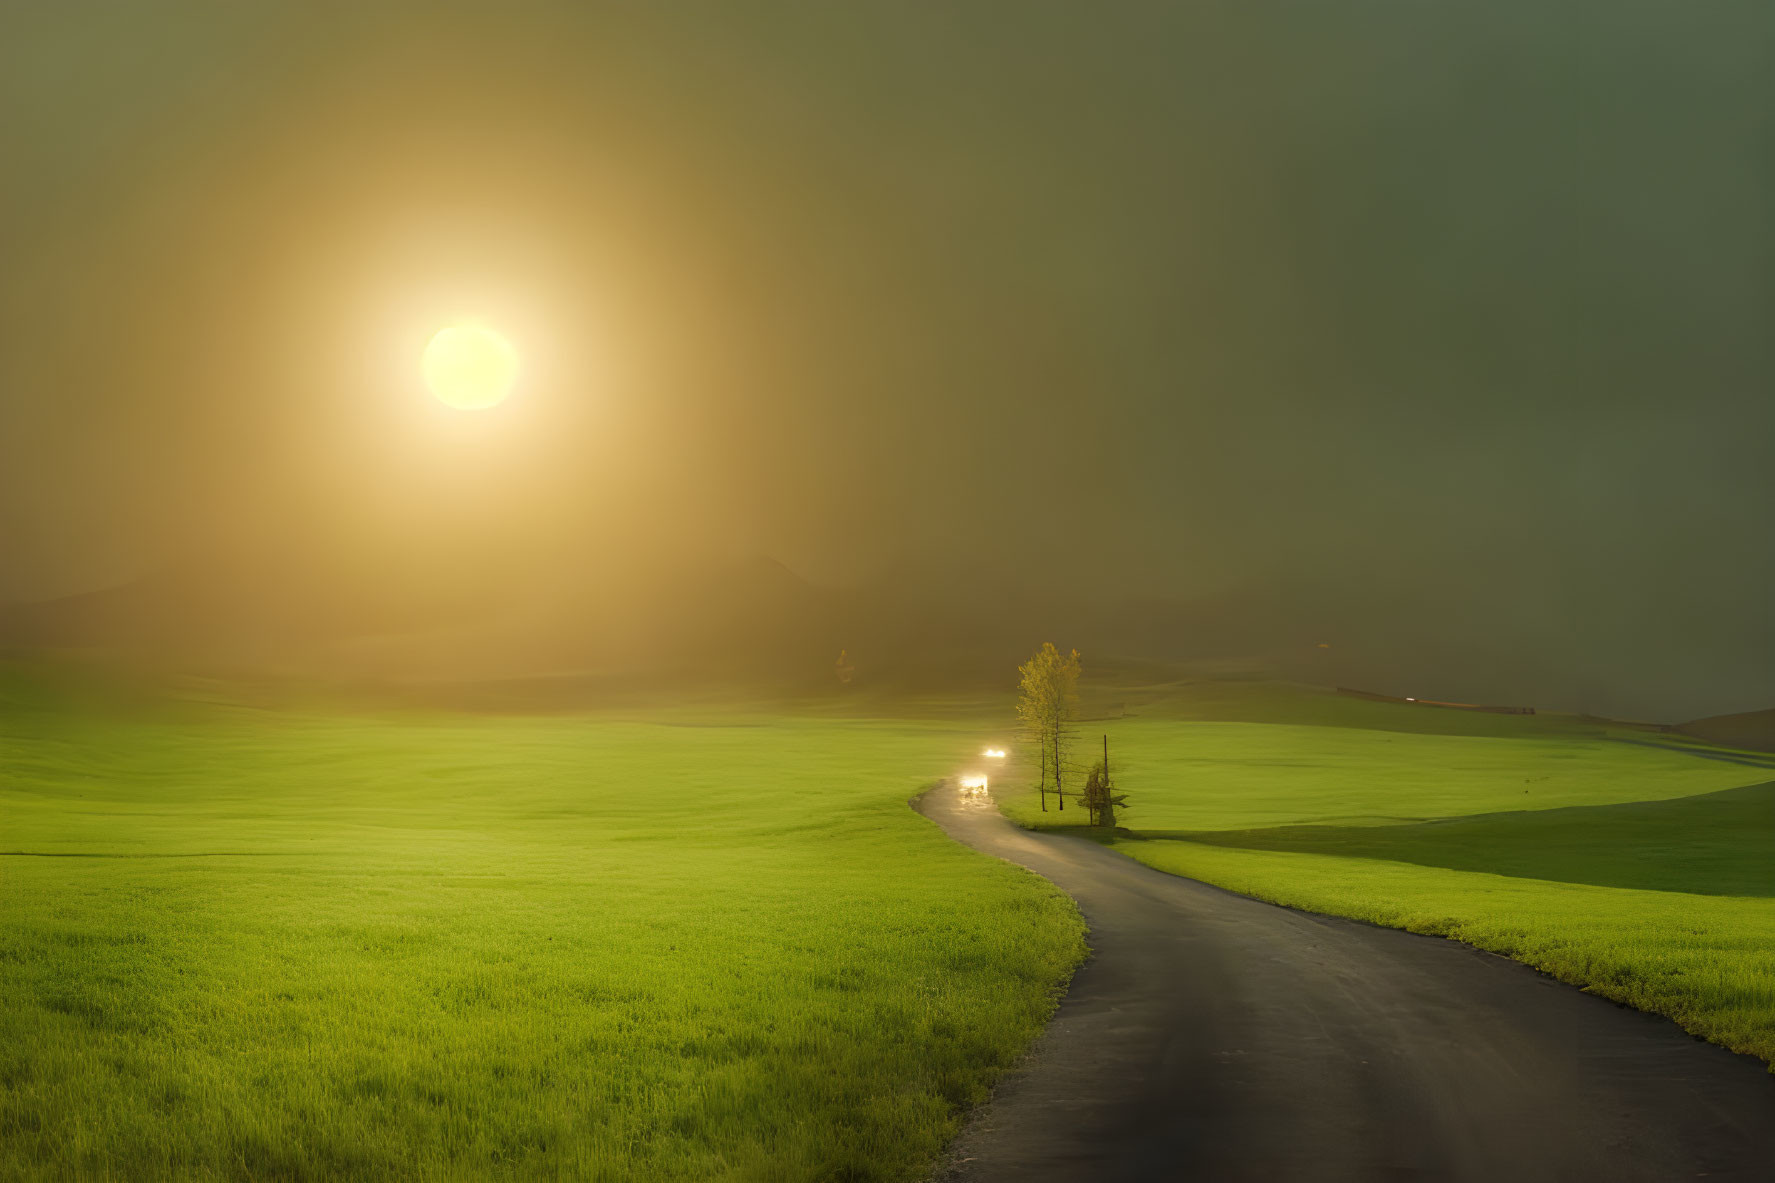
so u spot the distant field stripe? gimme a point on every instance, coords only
(1748, 759)
(161, 854)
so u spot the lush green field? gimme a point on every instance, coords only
(304, 940)
(1641, 872)
(306, 943)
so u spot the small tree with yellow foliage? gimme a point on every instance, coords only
(1047, 706)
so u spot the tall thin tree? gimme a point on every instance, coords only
(1063, 705)
(1047, 705)
(1035, 687)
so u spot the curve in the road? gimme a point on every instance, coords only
(1216, 1037)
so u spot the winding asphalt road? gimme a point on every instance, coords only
(1214, 1037)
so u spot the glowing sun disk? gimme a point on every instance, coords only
(470, 367)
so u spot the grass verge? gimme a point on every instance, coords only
(1638, 869)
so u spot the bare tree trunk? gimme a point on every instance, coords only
(1044, 777)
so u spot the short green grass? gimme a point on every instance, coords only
(1639, 871)
(273, 937)
(327, 944)
(1222, 775)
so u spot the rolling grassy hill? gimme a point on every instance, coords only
(1751, 729)
(309, 942)
(292, 934)
(1633, 865)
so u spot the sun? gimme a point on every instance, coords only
(470, 367)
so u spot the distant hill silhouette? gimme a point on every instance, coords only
(308, 616)
(418, 615)
(750, 616)
(1752, 729)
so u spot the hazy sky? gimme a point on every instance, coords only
(1445, 328)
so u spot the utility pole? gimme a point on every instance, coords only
(1107, 811)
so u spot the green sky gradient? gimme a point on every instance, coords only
(1442, 329)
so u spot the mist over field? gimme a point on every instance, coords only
(860, 592)
(1434, 334)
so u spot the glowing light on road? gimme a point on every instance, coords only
(973, 786)
(995, 753)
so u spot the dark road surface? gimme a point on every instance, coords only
(1213, 1037)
